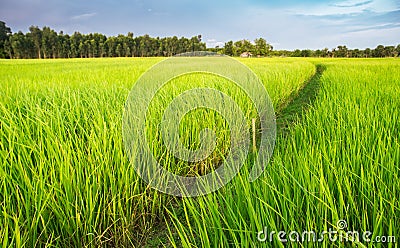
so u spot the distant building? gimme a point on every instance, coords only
(246, 55)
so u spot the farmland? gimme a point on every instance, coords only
(67, 181)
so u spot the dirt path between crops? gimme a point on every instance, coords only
(298, 102)
(287, 113)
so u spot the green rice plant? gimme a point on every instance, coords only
(65, 178)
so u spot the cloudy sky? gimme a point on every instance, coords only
(286, 24)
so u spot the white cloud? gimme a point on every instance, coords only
(348, 4)
(348, 7)
(83, 16)
(382, 26)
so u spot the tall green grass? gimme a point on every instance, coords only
(340, 161)
(65, 178)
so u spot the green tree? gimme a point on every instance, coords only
(357, 53)
(81, 49)
(17, 44)
(318, 53)
(22, 46)
(342, 52)
(398, 50)
(368, 52)
(243, 46)
(111, 45)
(389, 51)
(8, 48)
(75, 41)
(36, 35)
(64, 44)
(119, 50)
(262, 48)
(49, 38)
(196, 44)
(5, 32)
(325, 52)
(229, 48)
(379, 51)
(306, 53)
(296, 53)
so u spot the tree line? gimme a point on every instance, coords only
(47, 43)
(343, 52)
(237, 48)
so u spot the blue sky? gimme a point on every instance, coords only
(285, 24)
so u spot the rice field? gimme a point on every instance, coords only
(67, 181)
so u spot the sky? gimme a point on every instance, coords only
(286, 24)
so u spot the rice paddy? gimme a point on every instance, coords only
(67, 181)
